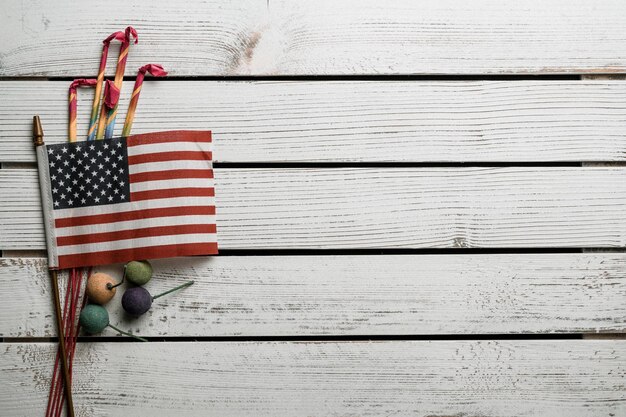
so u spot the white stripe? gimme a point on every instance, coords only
(169, 147)
(137, 205)
(169, 184)
(138, 243)
(136, 224)
(168, 165)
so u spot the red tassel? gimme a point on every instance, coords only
(111, 94)
(130, 31)
(118, 36)
(153, 69)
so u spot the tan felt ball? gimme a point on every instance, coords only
(97, 290)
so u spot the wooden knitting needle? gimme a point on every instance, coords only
(38, 141)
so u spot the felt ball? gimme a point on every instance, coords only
(94, 318)
(136, 301)
(138, 272)
(97, 290)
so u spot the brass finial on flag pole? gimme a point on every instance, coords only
(38, 141)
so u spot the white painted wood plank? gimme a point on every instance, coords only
(348, 208)
(349, 295)
(444, 378)
(283, 37)
(352, 121)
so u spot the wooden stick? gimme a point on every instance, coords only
(38, 141)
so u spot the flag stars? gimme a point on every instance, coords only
(70, 167)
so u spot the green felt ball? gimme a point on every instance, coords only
(94, 318)
(138, 272)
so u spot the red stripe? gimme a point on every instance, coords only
(170, 156)
(171, 193)
(134, 215)
(125, 255)
(171, 136)
(136, 233)
(173, 174)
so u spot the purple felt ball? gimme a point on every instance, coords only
(136, 301)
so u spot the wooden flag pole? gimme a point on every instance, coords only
(38, 141)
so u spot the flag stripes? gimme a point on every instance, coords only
(170, 210)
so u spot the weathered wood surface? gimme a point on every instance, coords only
(385, 208)
(445, 378)
(354, 121)
(285, 37)
(349, 295)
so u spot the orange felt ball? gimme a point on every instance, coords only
(97, 290)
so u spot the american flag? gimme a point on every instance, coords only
(115, 200)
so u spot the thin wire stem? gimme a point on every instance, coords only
(127, 333)
(173, 289)
(110, 287)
